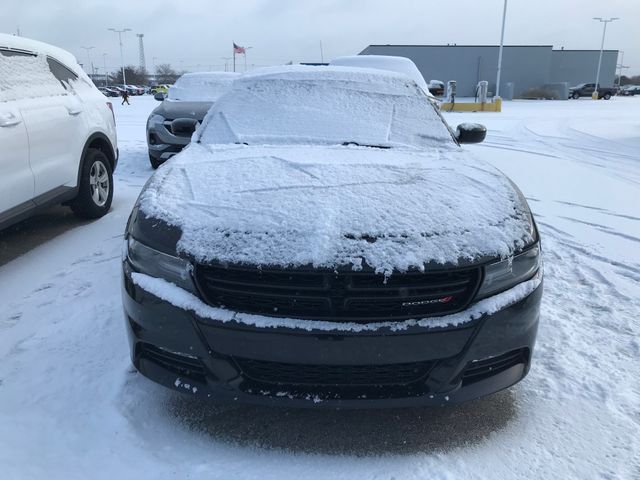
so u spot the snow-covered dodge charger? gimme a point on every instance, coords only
(325, 241)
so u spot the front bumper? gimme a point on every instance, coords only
(162, 143)
(233, 362)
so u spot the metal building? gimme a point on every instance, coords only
(523, 66)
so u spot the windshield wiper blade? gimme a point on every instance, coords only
(356, 144)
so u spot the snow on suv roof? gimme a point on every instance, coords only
(201, 86)
(325, 106)
(13, 42)
(385, 62)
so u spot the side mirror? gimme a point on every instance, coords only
(184, 127)
(159, 96)
(470, 133)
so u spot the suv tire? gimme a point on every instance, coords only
(607, 96)
(95, 191)
(575, 95)
(155, 163)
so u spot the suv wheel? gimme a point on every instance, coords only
(155, 162)
(575, 95)
(607, 96)
(96, 186)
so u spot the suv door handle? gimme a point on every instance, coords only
(74, 110)
(9, 120)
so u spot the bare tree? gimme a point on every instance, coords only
(135, 76)
(166, 74)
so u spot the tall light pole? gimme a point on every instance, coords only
(604, 32)
(245, 57)
(120, 32)
(504, 17)
(106, 74)
(90, 64)
(620, 66)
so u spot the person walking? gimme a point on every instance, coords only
(125, 96)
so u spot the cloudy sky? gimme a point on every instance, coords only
(197, 34)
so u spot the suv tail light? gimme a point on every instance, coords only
(110, 105)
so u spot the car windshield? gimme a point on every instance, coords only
(325, 105)
(201, 87)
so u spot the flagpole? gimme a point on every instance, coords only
(234, 57)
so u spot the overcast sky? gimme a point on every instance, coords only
(196, 34)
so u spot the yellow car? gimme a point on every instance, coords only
(160, 89)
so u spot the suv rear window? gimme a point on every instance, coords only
(62, 73)
(26, 75)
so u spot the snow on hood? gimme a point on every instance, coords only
(337, 206)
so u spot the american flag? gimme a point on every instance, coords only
(238, 48)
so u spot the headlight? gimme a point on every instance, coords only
(158, 264)
(155, 119)
(501, 276)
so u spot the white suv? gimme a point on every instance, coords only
(57, 133)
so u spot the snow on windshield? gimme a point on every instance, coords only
(324, 105)
(26, 76)
(201, 87)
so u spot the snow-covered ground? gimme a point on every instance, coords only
(71, 407)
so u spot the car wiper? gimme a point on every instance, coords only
(356, 144)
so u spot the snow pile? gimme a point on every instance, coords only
(328, 105)
(385, 62)
(27, 76)
(182, 299)
(330, 206)
(201, 86)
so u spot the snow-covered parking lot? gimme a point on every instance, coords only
(72, 407)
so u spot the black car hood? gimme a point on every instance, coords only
(171, 109)
(331, 206)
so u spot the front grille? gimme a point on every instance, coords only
(332, 375)
(175, 362)
(337, 296)
(488, 367)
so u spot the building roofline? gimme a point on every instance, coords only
(466, 46)
(495, 46)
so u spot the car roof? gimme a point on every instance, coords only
(210, 75)
(369, 79)
(390, 63)
(13, 42)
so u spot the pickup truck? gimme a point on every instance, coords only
(587, 89)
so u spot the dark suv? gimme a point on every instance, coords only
(334, 247)
(171, 124)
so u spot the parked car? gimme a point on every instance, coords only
(325, 241)
(57, 133)
(385, 62)
(436, 87)
(630, 90)
(108, 92)
(587, 89)
(171, 124)
(131, 89)
(160, 89)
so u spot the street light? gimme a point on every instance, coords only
(504, 17)
(245, 57)
(90, 64)
(604, 32)
(106, 74)
(120, 32)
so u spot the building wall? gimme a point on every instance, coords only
(581, 66)
(524, 66)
